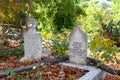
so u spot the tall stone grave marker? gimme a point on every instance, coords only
(32, 41)
(78, 44)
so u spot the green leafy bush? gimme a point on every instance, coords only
(60, 43)
(60, 47)
(112, 30)
(103, 48)
(18, 52)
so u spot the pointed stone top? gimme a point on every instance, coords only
(32, 23)
(78, 29)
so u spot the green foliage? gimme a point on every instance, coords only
(9, 72)
(60, 43)
(98, 21)
(53, 16)
(12, 74)
(91, 22)
(60, 47)
(112, 28)
(13, 15)
(65, 14)
(103, 48)
(56, 14)
(116, 9)
(14, 12)
(15, 52)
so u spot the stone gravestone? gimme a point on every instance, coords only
(32, 41)
(78, 44)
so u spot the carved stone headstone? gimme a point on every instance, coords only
(78, 44)
(32, 41)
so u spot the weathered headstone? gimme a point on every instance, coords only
(78, 44)
(32, 41)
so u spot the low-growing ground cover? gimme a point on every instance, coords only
(49, 72)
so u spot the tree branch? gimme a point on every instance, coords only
(104, 67)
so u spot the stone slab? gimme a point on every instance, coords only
(93, 74)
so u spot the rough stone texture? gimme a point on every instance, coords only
(93, 74)
(78, 46)
(32, 41)
(46, 52)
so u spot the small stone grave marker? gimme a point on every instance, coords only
(32, 41)
(78, 44)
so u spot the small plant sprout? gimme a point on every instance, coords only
(42, 65)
